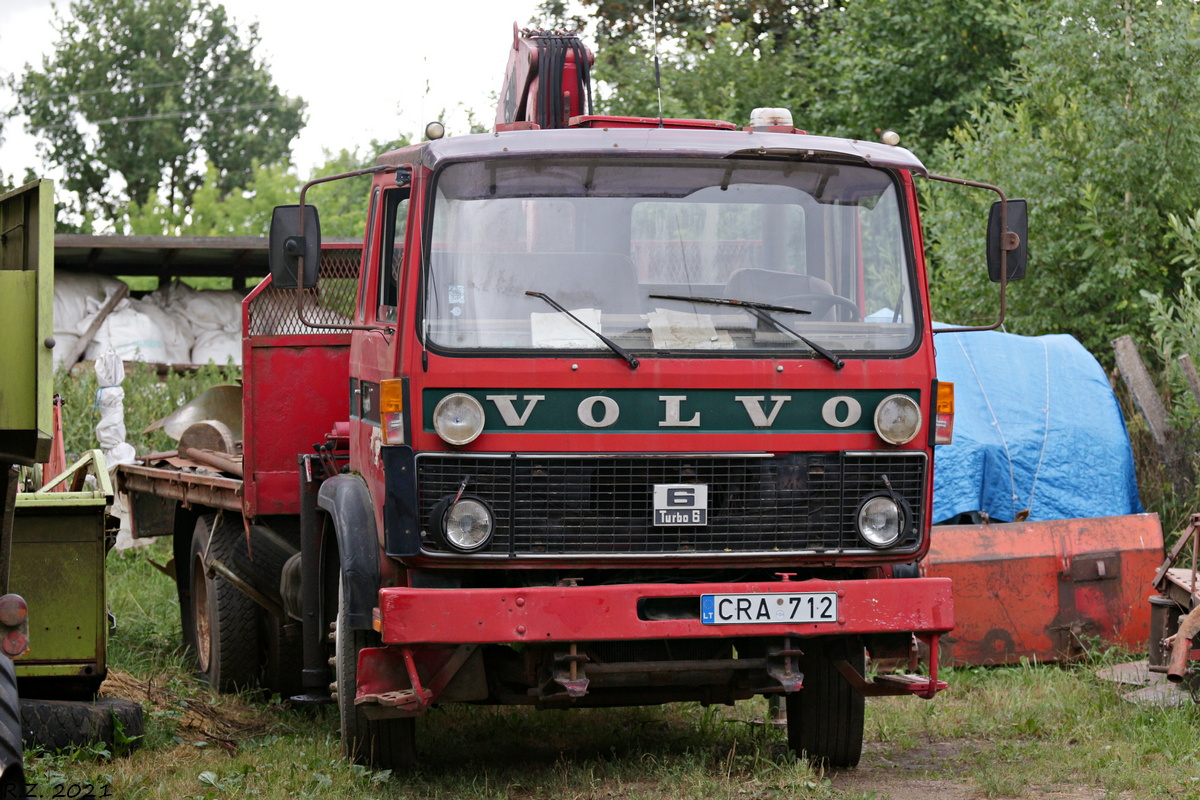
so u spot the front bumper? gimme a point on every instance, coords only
(922, 606)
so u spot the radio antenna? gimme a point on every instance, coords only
(657, 73)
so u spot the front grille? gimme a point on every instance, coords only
(567, 506)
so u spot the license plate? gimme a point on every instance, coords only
(749, 609)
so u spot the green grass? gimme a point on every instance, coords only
(998, 732)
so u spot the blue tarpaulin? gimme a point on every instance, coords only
(1036, 426)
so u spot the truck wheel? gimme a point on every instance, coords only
(825, 718)
(12, 767)
(379, 744)
(225, 633)
(59, 724)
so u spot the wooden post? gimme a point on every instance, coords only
(1150, 406)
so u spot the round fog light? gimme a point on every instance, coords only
(468, 524)
(458, 418)
(880, 521)
(897, 419)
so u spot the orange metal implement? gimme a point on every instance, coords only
(1046, 590)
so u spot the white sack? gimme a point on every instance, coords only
(214, 310)
(132, 334)
(110, 431)
(172, 297)
(71, 293)
(218, 347)
(176, 333)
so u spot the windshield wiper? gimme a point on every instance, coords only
(760, 310)
(616, 348)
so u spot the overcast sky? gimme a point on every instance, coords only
(362, 65)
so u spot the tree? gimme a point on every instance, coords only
(140, 94)
(851, 69)
(918, 67)
(1103, 139)
(247, 211)
(729, 79)
(700, 22)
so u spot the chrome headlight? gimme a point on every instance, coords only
(468, 524)
(897, 419)
(881, 521)
(458, 418)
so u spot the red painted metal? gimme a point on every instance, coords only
(606, 121)
(295, 389)
(1046, 590)
(610, 612)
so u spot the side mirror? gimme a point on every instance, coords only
(286, 247)
(1015, 240)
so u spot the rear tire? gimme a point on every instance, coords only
(12, 765)
(225, 621)
(825, 718)
(379, 744)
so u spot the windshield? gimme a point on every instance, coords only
(624, 246)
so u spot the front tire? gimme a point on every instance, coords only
(825, 718)
(225, 621)
(379, 744)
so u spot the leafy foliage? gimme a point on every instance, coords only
(140, 94)
(247, 211)
(243, 212)
(701, 22)
(1103, 140)
(343, 203)
(848, 69)
(916, 66)
(1175, 320)
(726, 80)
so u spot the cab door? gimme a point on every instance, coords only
(373, 356)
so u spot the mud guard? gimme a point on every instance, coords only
(347, 500)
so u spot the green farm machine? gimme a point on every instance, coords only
(53, 540)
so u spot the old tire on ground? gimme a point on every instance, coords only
(225, 632)
(59, 724)
(379, 744)
(12, 765)
(825, 718)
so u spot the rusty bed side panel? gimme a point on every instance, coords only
(1045, 590)
(188, 488)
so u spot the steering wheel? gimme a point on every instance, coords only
(819, 304)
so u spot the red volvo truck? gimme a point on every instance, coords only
(606, 411)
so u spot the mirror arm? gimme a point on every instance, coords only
(1007, 239)
(298, 241)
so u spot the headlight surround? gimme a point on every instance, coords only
(881, 520)
(468, 524)
(897, 419)
(458, 418)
